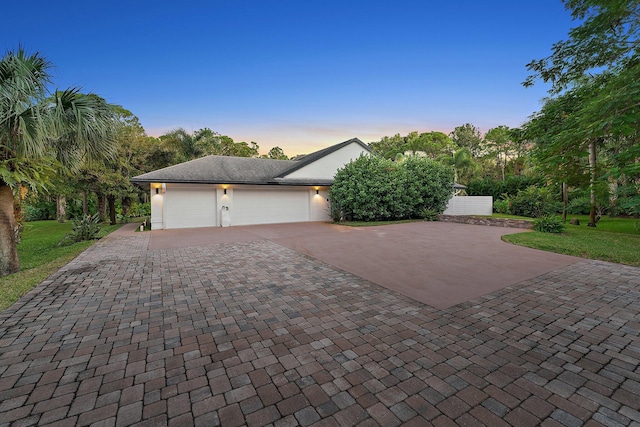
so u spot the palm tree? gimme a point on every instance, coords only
(461, 161)
(36, 127)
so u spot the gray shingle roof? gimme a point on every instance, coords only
(239, 170)
(219, 169)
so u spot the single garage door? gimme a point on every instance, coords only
(190, 206)
(269, 206)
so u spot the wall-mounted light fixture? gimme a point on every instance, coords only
(225, 191)
(157, 190)
(317, 191)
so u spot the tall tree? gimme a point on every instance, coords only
(498, 141)
(595, 75)
(35, 126)
(277, 153)
(431, 144)
(468, 136)
(462, 162)
(183, 143)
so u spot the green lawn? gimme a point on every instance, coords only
(614, 225)
(40, 256)
(614, 239)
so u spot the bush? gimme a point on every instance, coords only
(377, 189)
(139, 210)
(498, 188)
(534, 202)
(627, 201)
(579, 206)
(429, 215)
(501, 206)
(86, 228)
(549, 224)
(39, 210)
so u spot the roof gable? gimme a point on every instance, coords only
(303, 161)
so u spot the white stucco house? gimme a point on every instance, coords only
(221, 191)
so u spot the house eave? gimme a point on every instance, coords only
(277, 181)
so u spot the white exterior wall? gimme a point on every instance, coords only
(326, 167)
(157, 207)
(320, 205)
(469, 205)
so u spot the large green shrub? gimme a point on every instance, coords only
(534, 202)
(37, 209)
(502, 206)
(373, 188)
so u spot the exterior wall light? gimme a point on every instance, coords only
(317, 191)
(157, 190)
(225, 191)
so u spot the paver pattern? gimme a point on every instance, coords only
(253, 333)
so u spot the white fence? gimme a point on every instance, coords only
(469, 205)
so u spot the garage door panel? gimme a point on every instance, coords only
(269, 206)
(190, 207)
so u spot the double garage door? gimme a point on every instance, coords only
(198, 206)
(269, 206)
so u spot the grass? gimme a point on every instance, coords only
(40, 256)
(613, 225)
(614, 239)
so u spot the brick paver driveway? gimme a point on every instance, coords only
(254, 333)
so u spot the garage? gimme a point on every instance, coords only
(214, 191)
(190, 206)
(269, 206)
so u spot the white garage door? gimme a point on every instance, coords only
(269, 206)
(190, 206)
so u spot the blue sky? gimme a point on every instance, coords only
(298, 74)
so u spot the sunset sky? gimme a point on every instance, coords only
(301, 75)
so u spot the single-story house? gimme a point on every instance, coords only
(222, 190)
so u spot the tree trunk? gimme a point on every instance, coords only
(565, 201)
(592, 170)
(126, 204)
(112, 209)
(61, 208)
(85, 210)
(102, 207)
(8, 251)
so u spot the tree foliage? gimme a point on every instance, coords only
(430, 144)
(38, 130)
(589, 129)
(204, 142)
(276, 153)
(606, 39)
(468, 136)
(374, 188)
